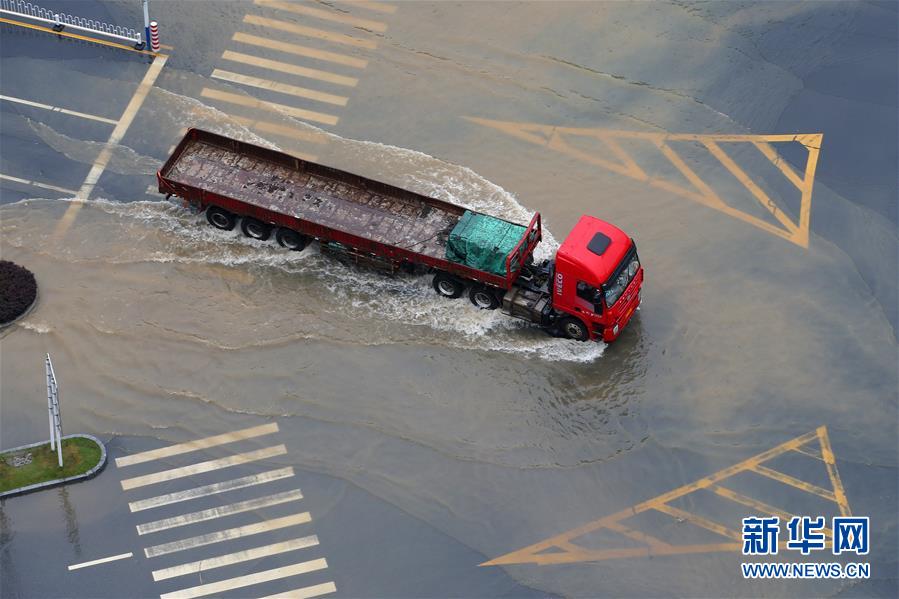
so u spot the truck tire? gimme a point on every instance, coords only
(574, 329)
(220, 218)
(255, 229)
(448, 285)
(483, 297)
(290, 239)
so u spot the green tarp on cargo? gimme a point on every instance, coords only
(483, 242)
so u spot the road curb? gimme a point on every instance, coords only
(59, 481)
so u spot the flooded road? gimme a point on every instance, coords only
(758, 324)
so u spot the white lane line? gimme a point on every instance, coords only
(214, 488)
(152, 190)
(114, 138)
(210, 563)
(250, 579)
(317, 590)
(306, 115)
(316, 137)
(320, 34)
(72, 192)
(103, 560)
(228, 534)
(83, 115)
(282, 88)
(197, 444)
(208, 466)
(220, 511)
(368, 5)
(306, 51)
(290, 69)
(302, 9)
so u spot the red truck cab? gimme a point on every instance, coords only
(597, 278)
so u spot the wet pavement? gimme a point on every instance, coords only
(428, 438)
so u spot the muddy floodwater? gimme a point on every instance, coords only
(758, 325)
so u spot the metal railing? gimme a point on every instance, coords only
(62, 21)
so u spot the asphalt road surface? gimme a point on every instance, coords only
(415, 446)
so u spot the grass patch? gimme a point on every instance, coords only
(79, 455)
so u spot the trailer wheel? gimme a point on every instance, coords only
(255, 229)
(290, 239)
(574, 329)
(448, 285)
(220, 218)
(483, 297)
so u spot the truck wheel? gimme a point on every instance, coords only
(483, 297)
(447, 285)
(574, 329)
(290, 239)
(255, 229)
(220, 218)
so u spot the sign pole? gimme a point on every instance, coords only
(53, 391)
(50, 401)
(146, 23)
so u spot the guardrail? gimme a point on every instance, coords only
(62, 21)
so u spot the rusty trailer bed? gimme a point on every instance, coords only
(314, 193)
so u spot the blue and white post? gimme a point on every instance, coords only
(146, 23)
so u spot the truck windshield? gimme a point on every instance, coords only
(622, 277)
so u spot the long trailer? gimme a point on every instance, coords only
(366, 221)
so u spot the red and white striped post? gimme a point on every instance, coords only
(154, 36)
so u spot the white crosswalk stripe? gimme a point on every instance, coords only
(212, 489)
(219, 512)
(317, 590)
(211, 563)
(180, 448)
(208, 466)
(228, 534)
(239, 582)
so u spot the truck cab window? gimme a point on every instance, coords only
(591, 295)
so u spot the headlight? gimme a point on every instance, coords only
(633, 267)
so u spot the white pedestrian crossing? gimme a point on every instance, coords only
(208, 466)
(239, 582)
(212, 489)
(237, 557)
(221, 511)
(228, 534)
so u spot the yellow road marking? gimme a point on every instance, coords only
(796, 231)
(115, 137)
(308, 115)
(77, 36)
(83, 115)
(302, 9)
(315, 137)
(369, 5)
(282, 88)
(831, 464)
(207, 466)
(766, 202)
(71, 192)
(317, 590)
(291, 69)
(205, 443)
(321, 34)
(794, 482)
(239, 582)
(697, 520)
(271, 44)
(562, 549)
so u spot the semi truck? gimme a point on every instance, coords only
(588, 291)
